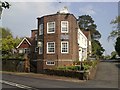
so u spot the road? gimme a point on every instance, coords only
(7, 86)
(106, 77)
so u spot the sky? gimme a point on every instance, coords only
(21, 18)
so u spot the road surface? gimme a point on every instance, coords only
(106, 77)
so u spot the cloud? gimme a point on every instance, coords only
(21, 17)
(88, 10)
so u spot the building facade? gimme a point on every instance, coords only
(24, 46)
(89, 43)
(28, 44)
(57, 41)
(82, 44)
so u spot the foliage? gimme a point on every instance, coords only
(113, 54)
(116, 28)
(87, 23)
(85, 64)
(8, 42)
(69, 68)
(97, 49)
(117, 45)
(107, 57)
(116, 33)
(5, 32)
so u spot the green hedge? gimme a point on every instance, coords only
(66, 73)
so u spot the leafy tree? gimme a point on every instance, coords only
(117, 46)
(97, 49)
(116, 33)
(116, 28)
(8, 42)
(107, 57)
(113, 55)
(87, 23)
(5, 32)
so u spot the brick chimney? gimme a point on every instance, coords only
(34, 33)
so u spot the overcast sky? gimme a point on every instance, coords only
(22, 16)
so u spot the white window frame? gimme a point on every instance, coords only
(62, 47)
(26, 50)
(49, 47)
(41, 29)
(48, 32)
(50, 62)
(62, 26)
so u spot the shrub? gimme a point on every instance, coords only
(86, 66)
(75, 68)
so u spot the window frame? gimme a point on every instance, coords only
(64, 27)
(41, 27)
(50, 63)
(41, 49)
(48, 48)
(67, 47)
(26, 50)
(48, 32)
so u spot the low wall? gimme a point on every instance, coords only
(82, 75)
(12, 65)
(66, 73)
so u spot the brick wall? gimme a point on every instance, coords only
(56, 37)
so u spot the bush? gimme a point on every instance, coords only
(65, 73)
(75, 68)
(85, 65)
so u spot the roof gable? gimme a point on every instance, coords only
(28, 41)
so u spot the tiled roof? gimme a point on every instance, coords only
(86, 33)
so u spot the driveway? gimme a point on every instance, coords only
(106, 75)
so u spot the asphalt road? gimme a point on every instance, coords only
(4, 86)
(106, 77)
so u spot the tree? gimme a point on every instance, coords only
(5, 32)
(87, 23)
(117, 45)
(116, 33)
(8, 42)
(97, 49)
(113, 55)
(116, 28)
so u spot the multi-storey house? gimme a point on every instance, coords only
(60, 42)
